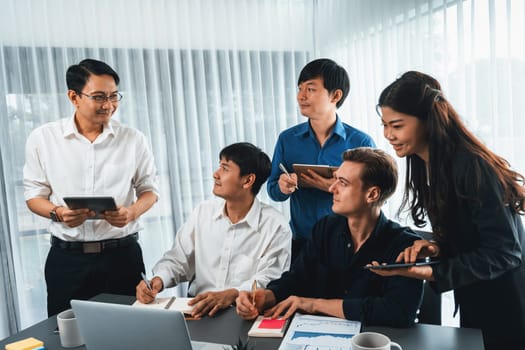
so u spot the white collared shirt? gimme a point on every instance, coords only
(61, 162)
(221, 255)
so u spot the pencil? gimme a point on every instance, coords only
(254, 288)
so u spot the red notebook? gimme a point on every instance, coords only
(266, 327)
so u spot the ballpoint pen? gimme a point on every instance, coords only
(281, 166)
(146, 281)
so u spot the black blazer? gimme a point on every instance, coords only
(483, 254)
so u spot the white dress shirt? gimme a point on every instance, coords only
(60, 162)
(221, 255)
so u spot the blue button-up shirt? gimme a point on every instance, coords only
(298, 144)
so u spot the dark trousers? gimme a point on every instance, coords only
(72, 274)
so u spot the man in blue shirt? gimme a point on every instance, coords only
(322, 88)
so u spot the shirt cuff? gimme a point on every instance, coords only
(37, 193)
(167, 281)
(143, 188)
(279, 296)
(353, 309)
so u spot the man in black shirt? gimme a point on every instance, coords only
(328, 276)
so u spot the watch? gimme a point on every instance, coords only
(53, 214)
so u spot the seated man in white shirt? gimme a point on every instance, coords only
(227, 243)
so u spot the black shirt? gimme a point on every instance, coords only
(328, 268)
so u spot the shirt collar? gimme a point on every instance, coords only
(251, 218)
(305, 129)
(70, 128)
(381, 222)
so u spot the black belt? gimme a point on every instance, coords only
(95, 246)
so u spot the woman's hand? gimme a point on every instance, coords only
(418, 272)
(420, 249)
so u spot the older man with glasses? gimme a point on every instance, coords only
(89, 154)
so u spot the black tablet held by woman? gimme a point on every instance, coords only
(421, 262)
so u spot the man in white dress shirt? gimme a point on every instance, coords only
(227, 243)
(90, 154)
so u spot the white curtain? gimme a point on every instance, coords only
(475, 48)
(200, 74)
(195, 75)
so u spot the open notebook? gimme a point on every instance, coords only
(170, 303)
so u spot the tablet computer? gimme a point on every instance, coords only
(401, 265)
(98, 204)
(323, 170)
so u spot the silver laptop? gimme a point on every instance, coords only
(106, 326)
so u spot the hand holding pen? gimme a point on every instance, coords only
(146, 292)
(250, 302)
(146, 281)
(283, 186)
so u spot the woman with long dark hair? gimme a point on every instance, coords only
(473, 200)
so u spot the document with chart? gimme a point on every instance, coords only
(319, 332)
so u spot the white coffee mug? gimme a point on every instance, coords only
(68, 329)
(372, 341)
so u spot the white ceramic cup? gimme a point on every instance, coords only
(372, 341)
(68, 329)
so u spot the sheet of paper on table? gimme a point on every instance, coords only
(322, 332)
(170, 303)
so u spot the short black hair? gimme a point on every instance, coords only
(77, 75)
(334, 76)
(251, 160)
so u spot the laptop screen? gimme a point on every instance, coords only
(106, 326)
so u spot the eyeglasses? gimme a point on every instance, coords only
(103, 98)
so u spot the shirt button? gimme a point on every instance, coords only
(349, 245)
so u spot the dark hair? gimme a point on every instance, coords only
(380, 169)
(77, 75)
(251, 160)
(420, 95)
(334, 76)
